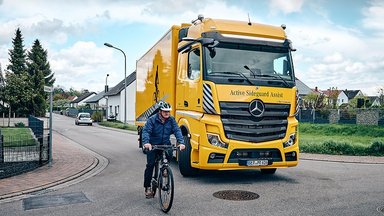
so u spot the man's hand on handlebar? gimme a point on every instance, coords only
(148, 146)
(181, 147)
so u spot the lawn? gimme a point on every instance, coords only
(117, 124)
(341, 139)
(17, 137)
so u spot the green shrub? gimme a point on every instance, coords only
(97, 116)
(19, 125)
(376, 147)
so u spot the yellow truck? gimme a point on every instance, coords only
(232, 88)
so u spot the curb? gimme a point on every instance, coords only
(342, 158)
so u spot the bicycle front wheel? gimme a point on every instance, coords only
(166, 189)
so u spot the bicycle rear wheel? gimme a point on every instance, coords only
(166, 189)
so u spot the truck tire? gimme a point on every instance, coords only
(140, 142)
(268, 171)
(185, 160)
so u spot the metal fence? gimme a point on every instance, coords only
(341, 116)
(20, 154)
(313, 116)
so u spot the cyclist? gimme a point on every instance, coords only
(157, 131)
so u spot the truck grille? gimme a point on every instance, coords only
(239, 124)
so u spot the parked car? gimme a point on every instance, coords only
(83, 118)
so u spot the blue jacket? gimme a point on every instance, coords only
(157, 133)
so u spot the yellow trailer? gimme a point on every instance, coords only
(232, 88)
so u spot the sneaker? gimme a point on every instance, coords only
(148, 193)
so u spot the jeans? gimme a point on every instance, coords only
(151, 159)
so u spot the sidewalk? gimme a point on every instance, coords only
(70, 161)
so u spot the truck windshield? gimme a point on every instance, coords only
(242, 64)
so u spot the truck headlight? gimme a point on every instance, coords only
(291, 140)
(215, 141)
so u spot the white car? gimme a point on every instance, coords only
(83, 118)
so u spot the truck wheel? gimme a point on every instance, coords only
(268, 171)
(185, 159)
(140, 142)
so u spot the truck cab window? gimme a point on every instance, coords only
(194, 64)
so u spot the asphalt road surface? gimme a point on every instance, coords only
(311, 188)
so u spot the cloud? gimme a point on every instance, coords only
(285, 6)
(84, 66)
(334, 58)
(374, 16)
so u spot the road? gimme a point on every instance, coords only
(311, 188)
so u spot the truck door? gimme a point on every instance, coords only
(193, 81)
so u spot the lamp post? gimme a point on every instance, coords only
(106, 97)
(125, 80)
(106, 83)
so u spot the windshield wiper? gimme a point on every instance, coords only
(239, 74)
(266, 75)
(277, 76)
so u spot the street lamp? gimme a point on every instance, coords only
(125, 80)
(106, 84)
(106, 97)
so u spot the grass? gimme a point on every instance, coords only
(341, 139)
(14, 137)
(117, 124)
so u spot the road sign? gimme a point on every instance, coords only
(48, 88)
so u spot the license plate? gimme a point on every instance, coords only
(257, 162)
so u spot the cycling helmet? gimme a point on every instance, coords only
(165, 106)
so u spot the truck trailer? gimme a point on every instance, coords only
(232, 88)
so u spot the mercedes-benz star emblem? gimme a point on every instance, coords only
(256, 108)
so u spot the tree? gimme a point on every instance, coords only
(2, 85)
(38, 68)
(17, 55)
(381, 96)
(17, 92)
(333, 94)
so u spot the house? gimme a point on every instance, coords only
(352, 94)
(116, 99)
(97, 101)
(80, 101)
(374, 101)
(71, 98)
(302, 88)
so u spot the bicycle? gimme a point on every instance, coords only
(162, 178)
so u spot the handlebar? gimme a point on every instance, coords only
(163, 147)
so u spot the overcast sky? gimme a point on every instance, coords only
(339, 42)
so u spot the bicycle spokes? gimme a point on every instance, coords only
(166, 189)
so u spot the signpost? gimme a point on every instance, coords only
(50, 89)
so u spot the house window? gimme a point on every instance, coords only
(117, 110)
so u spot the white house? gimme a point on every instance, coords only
(116, 100)
(80, 101)
(342, 98)
(346, 95)
(97, 101)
